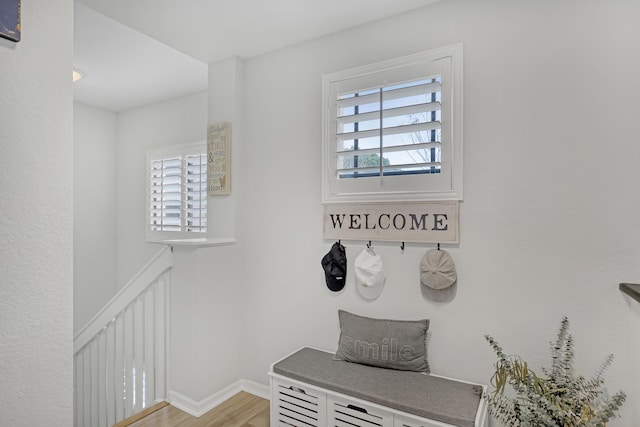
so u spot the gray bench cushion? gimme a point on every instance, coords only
(416, 393)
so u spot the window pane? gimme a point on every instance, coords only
(411, 138)
(412, 160)
(196, 204)
(195, 193)
(348, 161)
(360, 144)
(414, 105)
(197, 196)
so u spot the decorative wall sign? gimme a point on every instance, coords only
(10, 19)
(420, 222)
(219, 159)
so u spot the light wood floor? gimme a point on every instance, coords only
(242, 410)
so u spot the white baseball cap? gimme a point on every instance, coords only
(370, 274)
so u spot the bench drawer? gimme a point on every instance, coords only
(297, 405)
(400, 421)
(346, 413)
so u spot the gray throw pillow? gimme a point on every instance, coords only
(393, 344)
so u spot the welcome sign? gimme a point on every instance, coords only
(418, 222)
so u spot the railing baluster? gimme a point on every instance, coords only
(86, 362)
(119, 371)
(149, 331)
(110, 384)
(138, 353)
(128, 362)
(95, 382)
(122, 368)
(79, 389)
(102, 377)
(161, 335)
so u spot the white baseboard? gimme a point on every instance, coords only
(256, 389)
(197, 409)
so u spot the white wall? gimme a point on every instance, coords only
(205, 313)
(36, 254)
(207, 317)
(179, 121)
(207, 283)
(206, 310)
(549, 223)
(94, 208)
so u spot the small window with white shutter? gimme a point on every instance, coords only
(393, 130)
(177, 192)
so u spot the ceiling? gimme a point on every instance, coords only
(133, 53)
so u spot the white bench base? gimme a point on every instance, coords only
(299, 404)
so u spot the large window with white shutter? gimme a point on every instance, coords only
(392, 131)
(177, 192)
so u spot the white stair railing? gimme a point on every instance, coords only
(120, 356)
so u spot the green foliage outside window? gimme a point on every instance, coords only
(366, 161)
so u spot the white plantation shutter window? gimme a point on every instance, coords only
(196, 192)
(166, 194)
(177, 192)
(408, 140)
(393, 130)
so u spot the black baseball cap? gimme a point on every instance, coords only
(334, 264)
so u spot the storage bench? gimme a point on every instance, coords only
(309, 388)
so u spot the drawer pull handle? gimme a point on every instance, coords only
(299, 390)
(356, 408)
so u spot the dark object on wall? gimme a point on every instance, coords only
(10, 19)
(631, 289)
(334, 264)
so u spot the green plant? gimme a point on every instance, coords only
(557, 398)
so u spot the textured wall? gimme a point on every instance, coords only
(36, 210)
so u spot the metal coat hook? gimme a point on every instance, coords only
(369, 244)
(402, 246)
(438, 246)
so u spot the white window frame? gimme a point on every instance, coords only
(182, 151)
(447, 185)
